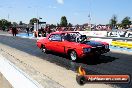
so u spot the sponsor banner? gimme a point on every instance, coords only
(94, 33)
(82, 78)
(108, 78)
(119, 34)
(106, 34)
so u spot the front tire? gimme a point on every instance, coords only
(73, 55)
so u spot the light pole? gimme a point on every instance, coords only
(38, 26)
(38, 19)
(89, 21)
(89, 15)
(9, 14)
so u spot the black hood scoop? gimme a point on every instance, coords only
(93, 43)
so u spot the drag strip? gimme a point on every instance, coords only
(111, 63)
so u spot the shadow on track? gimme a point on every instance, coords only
(89, 61)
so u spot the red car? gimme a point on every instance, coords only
(73, 44)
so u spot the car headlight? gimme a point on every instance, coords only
(86, 50)
(106, 46)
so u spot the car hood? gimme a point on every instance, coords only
(93, 43)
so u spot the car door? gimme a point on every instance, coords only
(49, 44)
(57, 43)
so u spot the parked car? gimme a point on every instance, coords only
(73, 44)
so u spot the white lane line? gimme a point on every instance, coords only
(16, 77)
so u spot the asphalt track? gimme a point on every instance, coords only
(110, 63)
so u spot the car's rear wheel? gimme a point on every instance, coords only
(73, 55)
(43, 48)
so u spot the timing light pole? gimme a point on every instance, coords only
(89, 23)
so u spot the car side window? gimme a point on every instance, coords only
(55, 37)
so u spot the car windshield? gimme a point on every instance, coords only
(71, 36)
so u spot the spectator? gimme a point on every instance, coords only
(31, 29)
(27, 30)
(49, 30)
(43, 32)
(14, 31)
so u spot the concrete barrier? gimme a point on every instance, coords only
(16, 77)
(4, 83)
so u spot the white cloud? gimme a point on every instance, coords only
(60, 1)
(52, 7)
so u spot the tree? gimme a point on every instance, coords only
(20, 23)
(126, 22)
(14, 24)
(4, 24)
(69, 25)
(52, 26)
(63, 22)
(33, 20)
(58, 25)
(113, 21)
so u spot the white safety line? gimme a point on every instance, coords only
(16, 77)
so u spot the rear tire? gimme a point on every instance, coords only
(43, 48)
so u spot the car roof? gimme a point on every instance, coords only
(61, 32)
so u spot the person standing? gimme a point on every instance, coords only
(27, 29)
(49, 30)
(43, 32)
(14, 31)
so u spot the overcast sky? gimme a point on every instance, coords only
(76, 11)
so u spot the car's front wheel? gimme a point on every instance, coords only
(73, 55)
(43, 48)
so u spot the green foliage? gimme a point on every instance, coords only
(58, 25)
(63, 22)
(52, 26)
(113, 21)
(4, 23)
(33, 20)
(14, 24)
(69, 25)
(20, 23)
(126, 22)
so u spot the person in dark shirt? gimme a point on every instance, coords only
(27, 29)
(14, 31)
(43, 32)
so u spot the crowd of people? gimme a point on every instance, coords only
(47, 30)
(43, 31)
